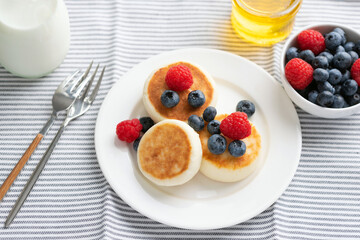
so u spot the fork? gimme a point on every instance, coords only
(64, 96)
(80, 106)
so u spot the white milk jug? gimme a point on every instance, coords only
(34, 36)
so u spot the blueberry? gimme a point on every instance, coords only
(246, 106)
(338, 101)
(353, 99)
(196, 98)
(342, 61)
(312, 96)
(332, 40)
(325, 86)
(339, 30)
(169, 98)
(349, 87)
(337, 89)
(334, 76)
(291, 53)
(320, 62)
(217, 144)
(307, 55)
(346, 75)
(342, 34)
(325, 99)
(237, 148)
(209, 113)
(213, 127)
(339, 49)
(146, 123)
(343, 39)
(136, 144)
(320, 75)
(349, 46)
(328, 55)
(354, 56)
(196, 122)
(357, 47)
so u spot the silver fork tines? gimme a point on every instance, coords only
(67, 80)
(80, 79)
(97, 86)
(80, 105)
(90, 83)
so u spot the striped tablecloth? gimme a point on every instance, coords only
(72, 199)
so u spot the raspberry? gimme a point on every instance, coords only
(313, 40)
(355, 71)
(179, 78)
(298, 73)
(236, 126)
(129, 130)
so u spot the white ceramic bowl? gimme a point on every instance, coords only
(352, 35)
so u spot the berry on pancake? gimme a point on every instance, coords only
(236, 126)
(179, 78)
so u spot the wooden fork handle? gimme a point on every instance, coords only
(16, 170)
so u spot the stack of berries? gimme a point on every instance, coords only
(179, 78)
(236, 126)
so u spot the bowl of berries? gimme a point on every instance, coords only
(320, 70)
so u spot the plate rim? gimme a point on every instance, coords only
(261, 208)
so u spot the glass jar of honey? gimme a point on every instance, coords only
(264, 22)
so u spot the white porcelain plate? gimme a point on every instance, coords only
(202, 203)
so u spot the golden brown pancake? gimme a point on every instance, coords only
(156, 85)
(169, 153)
(225, 167)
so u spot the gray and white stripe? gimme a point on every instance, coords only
(72, 199)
